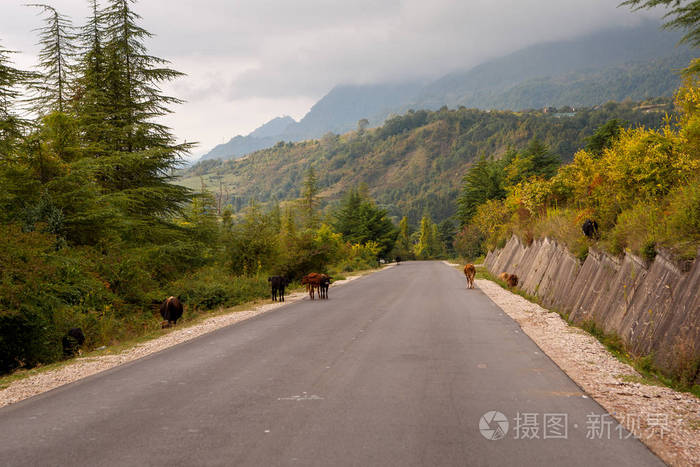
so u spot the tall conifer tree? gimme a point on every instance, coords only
(56, 39)
(11, 123)
(141, 152)
(91, 104)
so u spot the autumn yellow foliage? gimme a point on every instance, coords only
(643, 191)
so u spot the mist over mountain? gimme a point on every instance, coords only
(611, 65)
(337, 112)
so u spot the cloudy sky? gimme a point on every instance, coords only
(248, 61)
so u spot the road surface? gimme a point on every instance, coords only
(403, 367)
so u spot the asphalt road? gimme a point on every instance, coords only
(395, 369)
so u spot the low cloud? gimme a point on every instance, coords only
(277, 51)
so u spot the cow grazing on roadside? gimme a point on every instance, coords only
(312, 282)
(324, 285)
(510, 279)
(277, 284)
(470, 272)
(171, 310)
(590, 229)
(72, 342)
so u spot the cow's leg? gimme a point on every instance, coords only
(282, 294)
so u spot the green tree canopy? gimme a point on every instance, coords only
(359, 220)
(604, 136)
(483, 181)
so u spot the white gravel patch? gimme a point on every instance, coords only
(82, 367)
(667, 421)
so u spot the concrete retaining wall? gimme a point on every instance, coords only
(654, 308)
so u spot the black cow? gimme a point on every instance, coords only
(171, 310)
(278, 283)
(324, 284)
(72, 341)
(398, 260)
(590, 228)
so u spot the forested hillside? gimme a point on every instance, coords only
(414, 163)
(633, 63)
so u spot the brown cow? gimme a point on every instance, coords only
(510, 279)
(171, 311)
(470, 272)
(312, 282)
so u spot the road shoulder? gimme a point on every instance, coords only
(45, 379)
(667, 421)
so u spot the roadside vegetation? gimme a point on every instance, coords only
(95, 231)
(98, 228)
(640, 185)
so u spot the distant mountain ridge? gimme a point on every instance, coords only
(413, 163)
(614, 65)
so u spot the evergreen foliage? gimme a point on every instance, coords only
(52, 86)
(360, 221)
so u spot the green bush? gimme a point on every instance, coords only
(211, 288)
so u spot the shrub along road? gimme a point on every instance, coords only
(396, 368)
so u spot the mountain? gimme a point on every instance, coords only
(623, 64)
(587, 56)
(273, 128)
(262, 137)
(337, 112)
(414, 163)
(341, 109)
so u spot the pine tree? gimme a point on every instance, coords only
(683, 14)
(403, 246)
(359, 220)
(422, 248)
(140, 153)
(90, 93)
(11, 124)
(309, 199)
(56, 39)
(483, 181)
(436, 247)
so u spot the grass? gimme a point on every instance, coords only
(649, 374)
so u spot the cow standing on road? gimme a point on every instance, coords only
(470, 272)
(313, 283)
(277, 284)
(325, 283)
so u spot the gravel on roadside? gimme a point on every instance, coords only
(667, 421)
